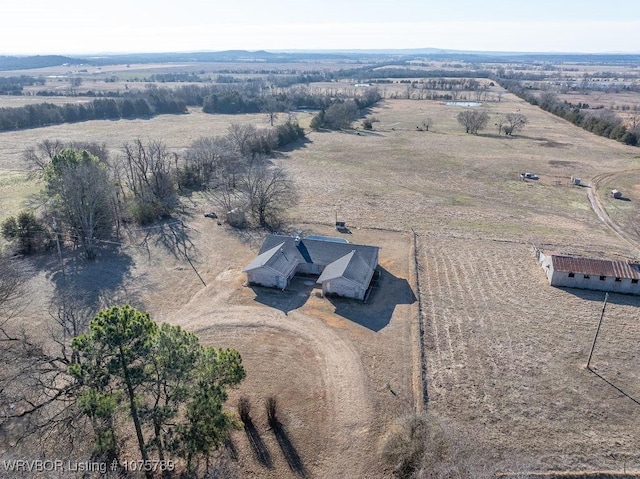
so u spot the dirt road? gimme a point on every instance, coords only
(599, 210)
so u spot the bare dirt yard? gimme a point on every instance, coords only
(340, 370)
(505, 353)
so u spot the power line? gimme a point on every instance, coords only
(604, 305)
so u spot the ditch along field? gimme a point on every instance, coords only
(505, 353)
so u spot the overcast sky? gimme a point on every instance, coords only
(88, 26)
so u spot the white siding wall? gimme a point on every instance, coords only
(263, 277)
(309, 268)
(547, 266)
(624, 285)
(343, 287)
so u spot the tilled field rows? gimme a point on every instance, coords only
(506, 353)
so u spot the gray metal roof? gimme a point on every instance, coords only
(351, 266)
(340, 260)
(275, 258)
(320, 252)
(596, 267)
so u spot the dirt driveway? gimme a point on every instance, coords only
(341, 370)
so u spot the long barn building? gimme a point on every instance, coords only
(587, 273)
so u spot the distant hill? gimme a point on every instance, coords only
(204, 57)
(37, 61)
(40, 61)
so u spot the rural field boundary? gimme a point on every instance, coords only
(422, 394)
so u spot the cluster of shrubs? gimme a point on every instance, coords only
(195, 175)
(14, 85)
(26, 233)
(342, 112)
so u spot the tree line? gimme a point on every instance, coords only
(341, 112)
(602, 122)
(381, 71)
(154, 100)
(14, 85)
(45, 114)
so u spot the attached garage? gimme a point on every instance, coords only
(271, 268)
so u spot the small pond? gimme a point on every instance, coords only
(463, 103)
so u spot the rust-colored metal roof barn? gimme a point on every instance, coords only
(596, 267)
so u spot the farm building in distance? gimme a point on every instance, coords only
(344, 269)
(588, 273)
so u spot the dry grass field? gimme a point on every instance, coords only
(505, 352)
(507, 355)
(178, 132)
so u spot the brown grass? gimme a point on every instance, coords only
(505, 352)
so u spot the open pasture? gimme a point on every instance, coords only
(177, 131)
(505, 352)
(397, 176)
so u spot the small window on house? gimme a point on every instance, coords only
(571, 275)
(586, 276)
(602, 278)
(618, 280)
(634, 281)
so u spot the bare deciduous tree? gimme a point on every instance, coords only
(241, 138)
(268, 192)
(13, 277)
(207, 161)
(147, 174)
(35, 384)
(226, 196)
(513, 122)
(39, 156)
(473, 120)
(271, 106)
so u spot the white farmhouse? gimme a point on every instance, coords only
(344, 269)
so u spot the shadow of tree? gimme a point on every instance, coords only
(258, 446)
(289, 451)
(172, 235)
(98, 283)
(231, 449)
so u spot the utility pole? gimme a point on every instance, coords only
(55, 228)
(604, 305)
